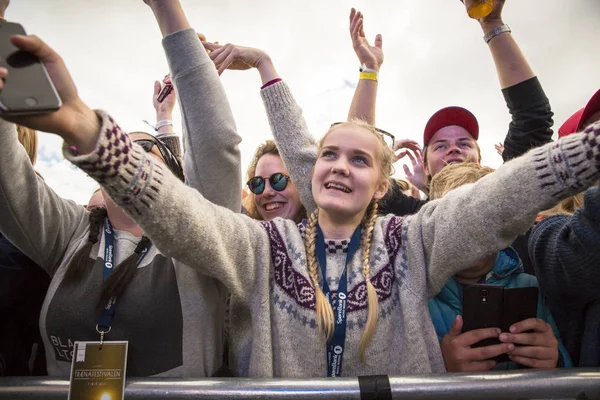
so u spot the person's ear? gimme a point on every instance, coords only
(382, 189)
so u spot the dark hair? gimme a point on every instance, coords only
(123, 273)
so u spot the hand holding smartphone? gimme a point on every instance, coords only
(27, 89)
(494, 306)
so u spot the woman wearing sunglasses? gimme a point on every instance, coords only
(272, 194)
(171, 314)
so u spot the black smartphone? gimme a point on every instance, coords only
(494, 306)
(164, 92)
(28, 89)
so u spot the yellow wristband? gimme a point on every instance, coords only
(372, 76)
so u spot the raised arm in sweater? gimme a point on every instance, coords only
(32, 216)
(179, 220)
(210, 137)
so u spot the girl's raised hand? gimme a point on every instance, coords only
(370, 56)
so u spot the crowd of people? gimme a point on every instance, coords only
(324, 265)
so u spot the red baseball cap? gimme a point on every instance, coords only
(575, 122)
(451, 116)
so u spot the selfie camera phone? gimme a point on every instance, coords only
(27, 89)
(495, 306)
(164, 92)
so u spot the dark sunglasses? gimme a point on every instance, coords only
(170, 160)
(278, 182)
(384, 134)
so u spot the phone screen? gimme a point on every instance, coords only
(27, 89)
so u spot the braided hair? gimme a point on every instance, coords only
(325, 315)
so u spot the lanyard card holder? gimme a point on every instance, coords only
(98, 371)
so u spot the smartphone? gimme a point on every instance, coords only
(495, 306)
(28, 89)
(164, 92)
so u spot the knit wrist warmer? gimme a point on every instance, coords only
(570, 164)
(121, 167)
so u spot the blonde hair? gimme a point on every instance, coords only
(29, 139)
(325, 315)
(456, 175)
(249, 202)
(566, 207)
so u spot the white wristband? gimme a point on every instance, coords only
(163, 122)
(363, 68)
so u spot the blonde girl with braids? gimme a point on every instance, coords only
(380, 160)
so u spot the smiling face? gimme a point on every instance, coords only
(348, 172)
(450, 145)
(272, 203)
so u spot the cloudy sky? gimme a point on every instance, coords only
(434, 57)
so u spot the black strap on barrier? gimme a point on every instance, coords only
(375, 387)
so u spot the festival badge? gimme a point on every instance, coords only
(98, 371)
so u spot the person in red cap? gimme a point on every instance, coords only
(582, 118)
(450, 137)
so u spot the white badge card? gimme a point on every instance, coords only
(98, 372)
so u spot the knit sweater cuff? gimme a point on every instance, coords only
(277, 96)
(566, 168)
(122, 168)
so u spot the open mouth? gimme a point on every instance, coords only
(273, 206)
(454, 161)
(337, 186)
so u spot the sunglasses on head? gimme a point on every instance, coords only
(387, 137)
(170, 160)
(278, 182)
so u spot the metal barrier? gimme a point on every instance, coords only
(519, 384)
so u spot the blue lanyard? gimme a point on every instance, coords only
(335, 347)
(104, 321)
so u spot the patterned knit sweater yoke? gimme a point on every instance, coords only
(336, 251)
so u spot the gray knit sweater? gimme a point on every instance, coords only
(264, 263)
(171, 315)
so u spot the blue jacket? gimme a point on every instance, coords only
(508, 271)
